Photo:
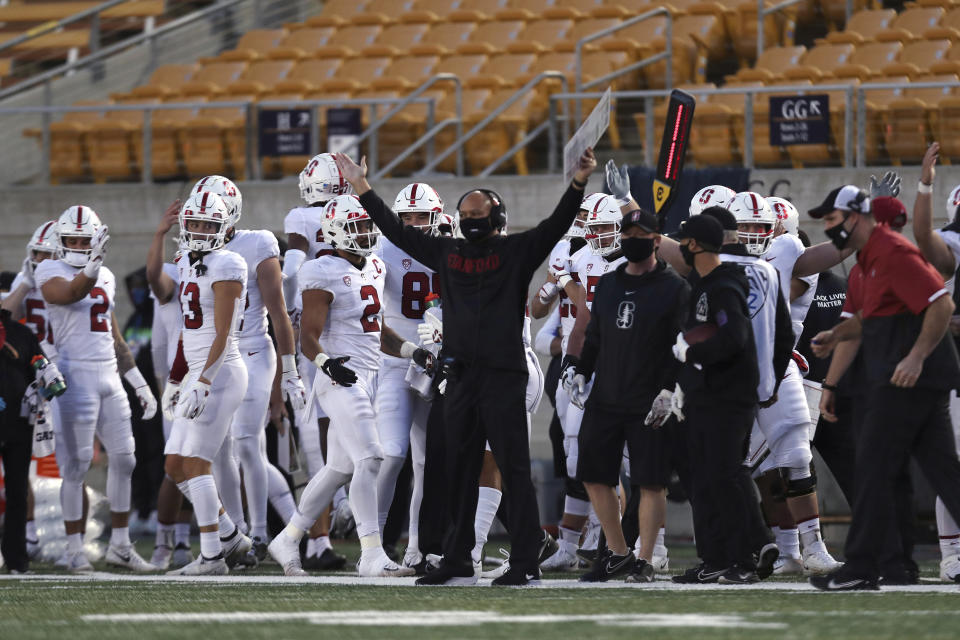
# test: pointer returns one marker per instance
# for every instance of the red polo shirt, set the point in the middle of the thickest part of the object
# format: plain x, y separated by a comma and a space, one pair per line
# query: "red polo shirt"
854, 300
896, 277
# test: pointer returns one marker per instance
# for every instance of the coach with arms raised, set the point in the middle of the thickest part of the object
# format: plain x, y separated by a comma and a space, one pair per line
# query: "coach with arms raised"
483, 280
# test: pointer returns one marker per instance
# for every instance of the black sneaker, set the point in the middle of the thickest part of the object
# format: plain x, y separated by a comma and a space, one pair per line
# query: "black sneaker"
449, 575
841, 580
587, 556
766, 558
700, 574
548, 547
515, 577
329, 560
738, 575
609, 566
642, 571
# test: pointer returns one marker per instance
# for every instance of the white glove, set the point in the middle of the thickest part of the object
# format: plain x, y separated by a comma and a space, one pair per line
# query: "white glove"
618, 182
30, 402
676, 403
577, 391
442, 387
193, 399
548, 292
291, 386
26, 271
431, 330
169, 399
566, 378
660, 408
563, 278
147, 402
680, 348
98, 249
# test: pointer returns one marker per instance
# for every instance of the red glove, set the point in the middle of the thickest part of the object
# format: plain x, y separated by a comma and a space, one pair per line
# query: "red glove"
179, 368
801, 363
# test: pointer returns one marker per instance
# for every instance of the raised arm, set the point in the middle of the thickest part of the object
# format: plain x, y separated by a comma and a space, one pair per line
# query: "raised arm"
931, 244
63, 291
161, 284
549, 232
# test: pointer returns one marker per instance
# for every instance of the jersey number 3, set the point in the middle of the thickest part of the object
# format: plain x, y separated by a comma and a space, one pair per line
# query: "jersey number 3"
370, 321
190, 304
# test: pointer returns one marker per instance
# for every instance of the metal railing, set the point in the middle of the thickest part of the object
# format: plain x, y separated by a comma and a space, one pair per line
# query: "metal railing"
667, 54
763, 12
55, 25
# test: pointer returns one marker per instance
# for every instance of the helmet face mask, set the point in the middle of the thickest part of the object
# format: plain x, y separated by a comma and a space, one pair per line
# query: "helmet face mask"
420, 198
228, 192
320, 181
74, 225
750, 208
348, 227
43, 243
200, 208
601, 228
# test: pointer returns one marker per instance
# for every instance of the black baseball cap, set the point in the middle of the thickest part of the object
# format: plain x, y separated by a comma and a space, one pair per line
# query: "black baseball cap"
640, 218
726, 219
706, 230
846, 198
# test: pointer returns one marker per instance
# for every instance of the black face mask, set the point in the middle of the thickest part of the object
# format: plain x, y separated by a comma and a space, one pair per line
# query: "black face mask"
636, 249
476, 229
838, 235
688, 256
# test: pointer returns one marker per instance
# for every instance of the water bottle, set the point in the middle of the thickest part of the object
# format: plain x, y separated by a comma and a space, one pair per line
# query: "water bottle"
52, 383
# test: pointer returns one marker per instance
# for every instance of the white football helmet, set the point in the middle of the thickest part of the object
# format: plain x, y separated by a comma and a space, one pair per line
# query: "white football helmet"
43, 240
786, 213
749, 207
716, 195
448, 226
78, 221
953, 201
227, 191
321, 182
204, 207
603, 212
420, 197
341, 218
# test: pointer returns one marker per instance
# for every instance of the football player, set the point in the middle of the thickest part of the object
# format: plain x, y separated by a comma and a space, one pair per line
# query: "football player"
401, 411
211, 291
342, 296
79, 293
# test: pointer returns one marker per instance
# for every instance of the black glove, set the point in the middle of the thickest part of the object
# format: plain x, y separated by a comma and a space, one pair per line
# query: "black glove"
340, 374
568, 361
424, 359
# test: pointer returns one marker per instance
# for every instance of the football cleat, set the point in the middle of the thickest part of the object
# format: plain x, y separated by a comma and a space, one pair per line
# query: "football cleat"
381, 566
286, 552
75, 562
787, 566
182, 556
610, 565
700, 574
203, 567
660, 563
127, 558
257, 553
329, 560
842, 580
517, 578
162, 554
738, 575
548, 547
819, 563
449, 575
415, 560
235, 548
765, 560
33, 549
642, 571
950, 569
560, 561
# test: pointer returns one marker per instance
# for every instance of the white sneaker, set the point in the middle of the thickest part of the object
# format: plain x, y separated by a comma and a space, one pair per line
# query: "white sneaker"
381, 566
235, 548
33, 549
819, 563
126, 557
182, 556
787, 566
660, 563
950, 569
411, 558
562, 560
75, 562
286, 552
202, 567
162, 554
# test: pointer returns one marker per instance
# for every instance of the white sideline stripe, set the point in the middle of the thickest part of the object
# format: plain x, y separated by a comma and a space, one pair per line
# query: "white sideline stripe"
438, 619
662, 583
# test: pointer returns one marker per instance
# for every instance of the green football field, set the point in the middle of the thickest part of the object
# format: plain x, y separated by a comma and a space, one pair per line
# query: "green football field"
263, 604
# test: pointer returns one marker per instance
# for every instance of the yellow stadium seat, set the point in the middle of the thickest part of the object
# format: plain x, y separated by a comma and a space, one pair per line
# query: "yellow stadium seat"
261, 76
835, 11
397, 39
771, 64
255, 44
443, 38
337, 13
507, 129
383, 11
349, 41
406, 73
302, 43
584, 28
215, 140
912, 24
440, 8
69, 157
111, 142
820, 61
863, 26
706, 30
212, 78
308, 75
541, 36
947, 129
878, 101
167, 141
742, 24
357, 73
764, 155
462, 65
507, 69
949, 26
906, 131
870, 59
919, 56
492, 37
712, 142
833, 151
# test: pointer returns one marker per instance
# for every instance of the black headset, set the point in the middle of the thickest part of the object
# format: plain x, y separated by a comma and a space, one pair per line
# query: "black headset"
857, 204
498, 212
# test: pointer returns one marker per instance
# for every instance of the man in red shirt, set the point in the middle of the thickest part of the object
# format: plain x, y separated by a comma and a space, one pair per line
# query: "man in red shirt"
910, 367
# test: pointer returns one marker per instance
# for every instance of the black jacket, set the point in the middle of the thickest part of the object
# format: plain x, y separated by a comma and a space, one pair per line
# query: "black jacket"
728, 371
16, 374
483, 284
634, 323
824, 314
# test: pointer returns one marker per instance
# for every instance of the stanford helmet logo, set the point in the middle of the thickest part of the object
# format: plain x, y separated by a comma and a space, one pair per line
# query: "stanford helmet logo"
780, 210
406, 263
707, 196
346, 280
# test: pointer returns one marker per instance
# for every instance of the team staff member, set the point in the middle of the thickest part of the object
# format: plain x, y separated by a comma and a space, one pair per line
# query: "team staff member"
910, 368
484, 280
718, 397
637, 312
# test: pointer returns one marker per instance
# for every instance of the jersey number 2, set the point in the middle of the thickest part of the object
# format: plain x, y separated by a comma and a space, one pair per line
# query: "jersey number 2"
370, 320
98, 311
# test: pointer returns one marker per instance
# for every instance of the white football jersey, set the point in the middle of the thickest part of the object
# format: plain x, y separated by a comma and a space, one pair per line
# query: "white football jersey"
590, 267
33, 310
762, 307
568, 310
306, 221
82, 330
195, 293
783, 253
254, 247
407, 285
168, 316
952, 239
356, 313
